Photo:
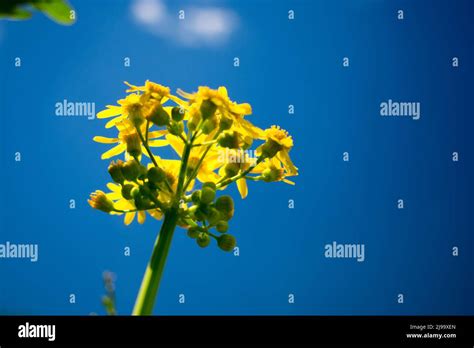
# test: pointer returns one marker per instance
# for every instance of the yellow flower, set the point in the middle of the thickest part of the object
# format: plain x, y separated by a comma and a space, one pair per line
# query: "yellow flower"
131, 107
152, 90
278, 143
241, 161
99, 200
226, 109
206, 172
128, 205
272, 169
127, 132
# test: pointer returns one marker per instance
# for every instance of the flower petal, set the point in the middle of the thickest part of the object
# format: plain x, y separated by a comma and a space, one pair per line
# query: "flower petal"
116, 150
242, 187
105, 140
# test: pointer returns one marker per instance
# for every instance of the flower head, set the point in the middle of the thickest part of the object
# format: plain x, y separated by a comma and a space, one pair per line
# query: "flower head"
98, 200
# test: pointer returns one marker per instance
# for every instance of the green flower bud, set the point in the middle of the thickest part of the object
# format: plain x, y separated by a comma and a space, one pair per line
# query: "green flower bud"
222, 226
207, 109
134, 144
127, 191
158, 116
130, 170
193, 232
213, 216
142, 202
156, 175
209, 125
232, 169
270, 148
229, 139
177, 113
203, 240
142, 172
207, 195
226, 242
225, 123
135, 114
225, 205
135, 192
115, 171
200, 214
210, 184
272, 174
196, 197
176, 128
145, 191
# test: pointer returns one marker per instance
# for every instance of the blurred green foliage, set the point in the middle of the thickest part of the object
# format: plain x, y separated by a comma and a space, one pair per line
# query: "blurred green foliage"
59, 11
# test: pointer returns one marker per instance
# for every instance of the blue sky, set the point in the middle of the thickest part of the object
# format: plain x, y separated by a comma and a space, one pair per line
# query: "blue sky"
282, 62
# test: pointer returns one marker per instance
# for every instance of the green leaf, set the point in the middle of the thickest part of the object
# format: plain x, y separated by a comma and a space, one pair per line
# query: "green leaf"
57, 10
16, 14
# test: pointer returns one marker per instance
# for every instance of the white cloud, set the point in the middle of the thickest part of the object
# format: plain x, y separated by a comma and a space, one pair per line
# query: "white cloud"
201, 25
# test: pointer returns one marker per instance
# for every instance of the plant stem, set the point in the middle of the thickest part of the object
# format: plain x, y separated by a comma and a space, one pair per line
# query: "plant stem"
151, 280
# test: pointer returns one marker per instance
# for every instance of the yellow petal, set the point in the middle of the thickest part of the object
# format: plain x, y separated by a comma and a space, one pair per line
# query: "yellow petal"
114, 121
242, 186
129, 218
141, 217
114, 187
157, 134
105, 140
158, 143
110, 112
116, 150
176, 143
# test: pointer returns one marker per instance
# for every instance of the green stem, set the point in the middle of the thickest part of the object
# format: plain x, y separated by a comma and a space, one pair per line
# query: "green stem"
151, 280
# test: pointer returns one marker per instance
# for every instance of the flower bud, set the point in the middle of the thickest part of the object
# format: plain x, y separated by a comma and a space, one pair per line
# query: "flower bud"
142, 202
193, 232
158, 116
270, 148
272, 174
203, 240
176, 128
229, 139
226, 123
213, 216
232, 169
142, 172
209, 125
115, 171
196, 197
226, 242
127, 191
156, 175
130, 170
225, 205
210, 184
134, 145
98, 200
135, 114
177, 113
208, 108
207, 195
135, 192
200, 214
222, 226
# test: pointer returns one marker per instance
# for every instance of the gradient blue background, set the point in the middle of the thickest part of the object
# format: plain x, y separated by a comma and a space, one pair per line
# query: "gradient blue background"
283, 62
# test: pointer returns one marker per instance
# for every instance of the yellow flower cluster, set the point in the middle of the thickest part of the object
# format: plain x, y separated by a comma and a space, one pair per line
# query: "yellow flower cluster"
213, 139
